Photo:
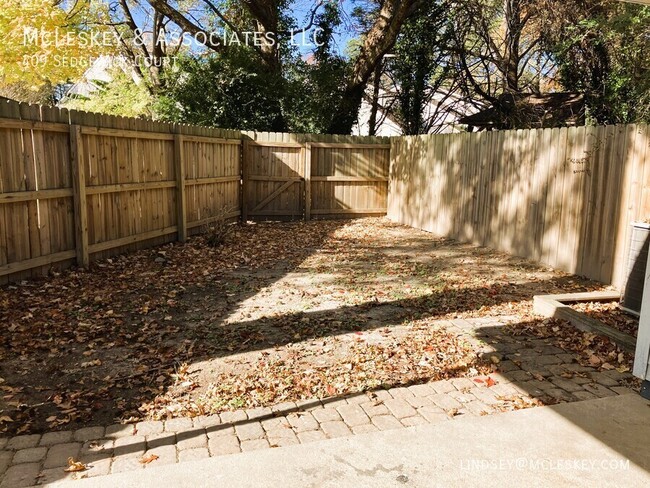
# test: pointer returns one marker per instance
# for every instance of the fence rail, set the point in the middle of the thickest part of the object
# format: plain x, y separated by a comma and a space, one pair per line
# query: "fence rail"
563, 197
76, 186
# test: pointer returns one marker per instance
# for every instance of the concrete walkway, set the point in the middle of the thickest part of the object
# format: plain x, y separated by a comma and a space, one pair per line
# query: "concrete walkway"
593, 443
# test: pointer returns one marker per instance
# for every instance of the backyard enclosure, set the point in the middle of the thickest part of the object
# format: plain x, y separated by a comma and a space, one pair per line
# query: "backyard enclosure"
76, 186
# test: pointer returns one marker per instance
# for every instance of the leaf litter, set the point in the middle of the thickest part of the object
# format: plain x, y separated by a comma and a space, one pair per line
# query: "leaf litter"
279, 312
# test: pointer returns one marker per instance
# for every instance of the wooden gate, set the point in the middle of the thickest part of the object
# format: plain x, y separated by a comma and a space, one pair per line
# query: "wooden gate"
273, 180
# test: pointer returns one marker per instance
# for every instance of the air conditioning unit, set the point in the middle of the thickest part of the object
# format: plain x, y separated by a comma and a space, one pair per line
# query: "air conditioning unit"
635, 266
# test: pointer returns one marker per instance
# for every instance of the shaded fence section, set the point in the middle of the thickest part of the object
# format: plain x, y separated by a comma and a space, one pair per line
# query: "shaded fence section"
76, 186
563, 197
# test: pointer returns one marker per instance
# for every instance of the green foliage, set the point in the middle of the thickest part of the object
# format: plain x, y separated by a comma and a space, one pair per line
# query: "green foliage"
233, 90
229, 91
606, 54
419, 67
122, 97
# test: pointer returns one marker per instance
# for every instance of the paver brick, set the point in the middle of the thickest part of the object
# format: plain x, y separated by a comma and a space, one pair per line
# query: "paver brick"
220, 431
311, 436
374, 408
302, 421
193, 454
462, 383
159, 440
233, 417
444, 386
462, 396
326, 415
227, 444
599, 390
166, 455
400, 408
478, 408
5, 460
417, 402
445, 402
412, 421
120, 430
23, 442
356, 399
364, 429
282, 437
122, 464
30, 455
584, 395
518, 376
150, 427
401, 392
21, 475
100, 466
603, 379
381, 395
88, 434
130, 446
205, 421
249, 430
51, 438
353, 415
566, 384
54, 476
100, 447
258, 413
58, 455
254, 445
486, 395
192, 439
284, 408
335, 428
386, 422
560, 394
178, 424
506, 366
422, 390
433, 414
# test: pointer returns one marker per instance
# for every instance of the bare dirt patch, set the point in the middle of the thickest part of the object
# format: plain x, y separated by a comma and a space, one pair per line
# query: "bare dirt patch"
280, 312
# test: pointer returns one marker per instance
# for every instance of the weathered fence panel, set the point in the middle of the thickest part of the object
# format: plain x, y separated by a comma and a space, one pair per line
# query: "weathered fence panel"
563, 197
77, 186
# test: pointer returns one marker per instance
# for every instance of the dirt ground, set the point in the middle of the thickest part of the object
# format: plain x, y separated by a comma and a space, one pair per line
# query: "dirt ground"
280, 312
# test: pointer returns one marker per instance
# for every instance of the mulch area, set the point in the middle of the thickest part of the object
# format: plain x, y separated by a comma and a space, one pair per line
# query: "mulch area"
610, 314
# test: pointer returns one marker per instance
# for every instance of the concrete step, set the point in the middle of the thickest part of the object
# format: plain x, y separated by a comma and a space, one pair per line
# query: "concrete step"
603, 442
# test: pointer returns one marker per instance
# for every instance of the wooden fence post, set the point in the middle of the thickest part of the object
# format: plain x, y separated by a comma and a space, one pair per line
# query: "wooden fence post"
308, 181
244, 182
79, 196
181, 206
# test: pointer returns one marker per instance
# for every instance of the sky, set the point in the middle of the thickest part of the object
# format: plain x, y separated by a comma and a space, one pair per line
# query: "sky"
301, 10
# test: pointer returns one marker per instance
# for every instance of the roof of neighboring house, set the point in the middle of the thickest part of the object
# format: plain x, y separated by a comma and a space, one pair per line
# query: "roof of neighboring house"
530, 111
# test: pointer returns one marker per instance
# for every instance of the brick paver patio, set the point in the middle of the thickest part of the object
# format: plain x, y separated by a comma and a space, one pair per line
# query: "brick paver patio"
528, 368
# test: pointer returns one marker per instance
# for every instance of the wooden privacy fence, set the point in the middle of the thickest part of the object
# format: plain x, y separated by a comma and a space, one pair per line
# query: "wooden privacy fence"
314, 176
563, 197
75, 185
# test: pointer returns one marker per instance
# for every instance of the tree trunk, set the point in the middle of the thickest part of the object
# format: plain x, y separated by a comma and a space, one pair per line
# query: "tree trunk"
379, 40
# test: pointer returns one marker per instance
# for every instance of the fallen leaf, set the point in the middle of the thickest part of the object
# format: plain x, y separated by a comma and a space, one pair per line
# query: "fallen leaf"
75, 466
148, 459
